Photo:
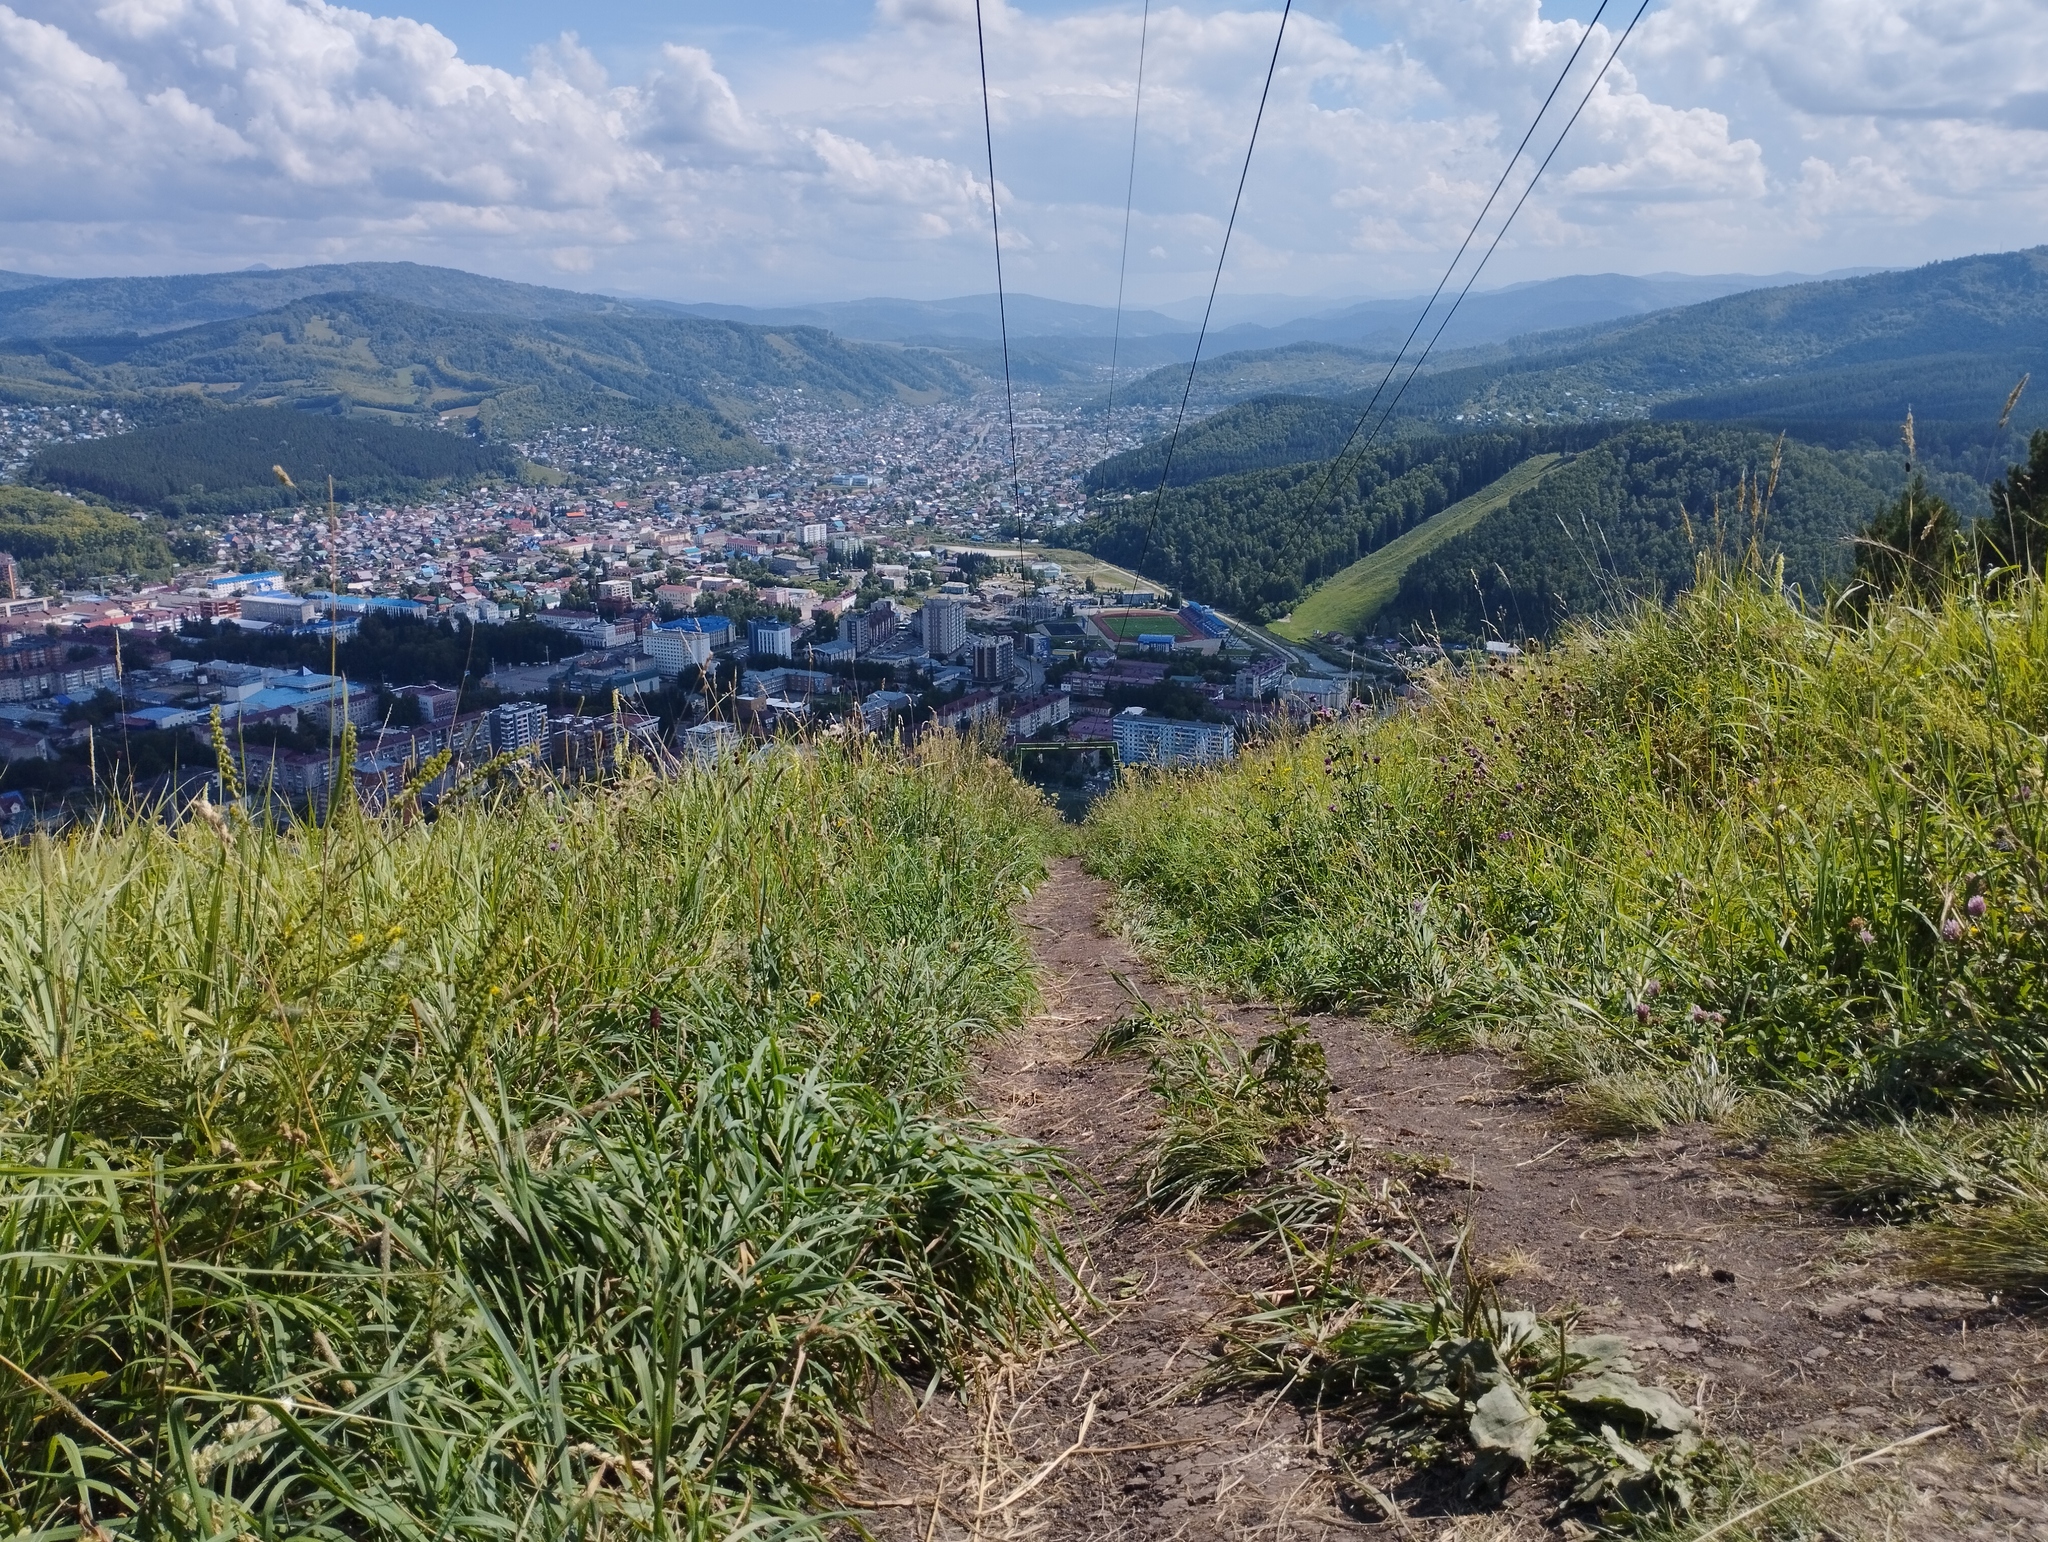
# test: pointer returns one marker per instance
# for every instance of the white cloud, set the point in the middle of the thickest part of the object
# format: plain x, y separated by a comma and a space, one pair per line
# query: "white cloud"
141, 135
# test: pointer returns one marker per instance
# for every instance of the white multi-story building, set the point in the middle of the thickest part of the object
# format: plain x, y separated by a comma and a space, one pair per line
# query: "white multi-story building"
945, 626
709, 741
1141, 739
678, 646
518, 726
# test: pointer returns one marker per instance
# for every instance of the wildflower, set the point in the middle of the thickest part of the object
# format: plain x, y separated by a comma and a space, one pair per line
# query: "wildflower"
1976, 906
1642, 1011
1952, 930
1333, 808
816, 997
1505, 835
1652, 988
495, 991
355, 939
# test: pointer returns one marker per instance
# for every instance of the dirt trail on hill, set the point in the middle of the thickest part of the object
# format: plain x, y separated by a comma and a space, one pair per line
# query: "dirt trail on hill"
1784, 1328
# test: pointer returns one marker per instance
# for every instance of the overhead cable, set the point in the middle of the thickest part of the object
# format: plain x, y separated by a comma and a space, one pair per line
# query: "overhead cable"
996, 226
1173, 440
1130, 190
1493, 246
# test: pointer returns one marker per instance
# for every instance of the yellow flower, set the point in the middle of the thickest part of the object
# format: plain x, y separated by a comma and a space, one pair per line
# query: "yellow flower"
495, 991
816, 997
355, 939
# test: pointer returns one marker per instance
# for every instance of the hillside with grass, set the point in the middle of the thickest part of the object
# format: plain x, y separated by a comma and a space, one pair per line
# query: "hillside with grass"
1628, 520
572, 1163
1255, 542
1352, 601
1730, 861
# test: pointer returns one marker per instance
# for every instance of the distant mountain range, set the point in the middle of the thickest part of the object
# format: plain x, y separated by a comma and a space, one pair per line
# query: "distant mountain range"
39, 307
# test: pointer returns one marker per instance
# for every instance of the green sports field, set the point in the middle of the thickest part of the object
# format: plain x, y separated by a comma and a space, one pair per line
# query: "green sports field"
1129, 625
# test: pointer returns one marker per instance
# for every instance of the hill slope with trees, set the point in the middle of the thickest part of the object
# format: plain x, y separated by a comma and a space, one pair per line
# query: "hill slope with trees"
1629, 520
662, 381
1838, 361
222, 462
59, 542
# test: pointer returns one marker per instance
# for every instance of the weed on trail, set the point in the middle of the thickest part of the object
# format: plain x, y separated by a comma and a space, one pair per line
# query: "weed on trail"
1417, 1363
574, 1164
1726, 861
1225, 1107
1433, 1371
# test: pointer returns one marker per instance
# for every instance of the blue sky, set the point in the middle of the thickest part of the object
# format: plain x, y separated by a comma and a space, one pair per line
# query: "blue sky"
787, 149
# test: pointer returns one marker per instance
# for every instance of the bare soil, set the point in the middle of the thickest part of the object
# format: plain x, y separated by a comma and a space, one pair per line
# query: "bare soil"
1789, 1330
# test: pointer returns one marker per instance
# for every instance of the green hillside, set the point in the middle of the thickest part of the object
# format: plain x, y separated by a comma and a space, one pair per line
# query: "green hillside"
1724, 864
384, 1179
684, 380
1254, 543
222, 462
1837, 361
1629, 520
1350, 601
61, 543
99, 307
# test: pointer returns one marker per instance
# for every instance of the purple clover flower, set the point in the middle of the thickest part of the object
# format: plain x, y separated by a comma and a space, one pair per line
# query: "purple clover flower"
1976, 906
1952, 930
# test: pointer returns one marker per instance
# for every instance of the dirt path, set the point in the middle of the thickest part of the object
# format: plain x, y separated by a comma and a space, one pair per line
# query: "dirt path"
1782, 1327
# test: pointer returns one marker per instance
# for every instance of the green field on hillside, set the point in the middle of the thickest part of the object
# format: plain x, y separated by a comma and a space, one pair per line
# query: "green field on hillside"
1351, 599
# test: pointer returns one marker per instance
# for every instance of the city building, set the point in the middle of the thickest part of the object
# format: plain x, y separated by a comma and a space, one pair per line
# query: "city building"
288, 610
1260, 678
1038, 713
770, 639
518, 727
708, 742
1142, 739
968, 710
1317, 693
945, 626
437, 702
994, 657
682, 645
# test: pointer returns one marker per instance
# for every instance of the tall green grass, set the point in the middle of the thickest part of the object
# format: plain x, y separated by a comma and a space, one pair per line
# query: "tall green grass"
1723, 855
572, 1164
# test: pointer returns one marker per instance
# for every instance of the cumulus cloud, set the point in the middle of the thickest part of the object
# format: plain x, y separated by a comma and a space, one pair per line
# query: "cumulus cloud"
141, 135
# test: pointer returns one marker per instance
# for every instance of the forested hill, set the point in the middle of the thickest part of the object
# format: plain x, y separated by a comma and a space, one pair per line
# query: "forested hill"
679, 381
1629, 519
1605, 524
220, 462
1837, 361
99, 307
1255, 542
1266, 431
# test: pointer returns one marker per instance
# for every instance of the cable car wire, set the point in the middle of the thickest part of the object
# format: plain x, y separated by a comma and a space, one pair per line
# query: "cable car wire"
996, 226
1173, 440
1556, 145
1130, 190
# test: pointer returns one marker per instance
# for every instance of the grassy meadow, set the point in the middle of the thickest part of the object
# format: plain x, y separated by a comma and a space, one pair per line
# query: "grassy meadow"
567, 1164
1728, 861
